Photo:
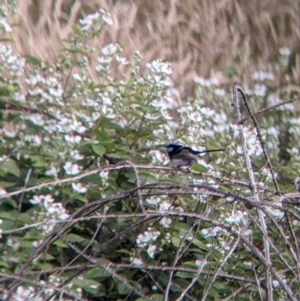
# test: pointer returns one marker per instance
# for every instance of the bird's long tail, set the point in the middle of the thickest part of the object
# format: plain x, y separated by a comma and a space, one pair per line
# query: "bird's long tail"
212, 150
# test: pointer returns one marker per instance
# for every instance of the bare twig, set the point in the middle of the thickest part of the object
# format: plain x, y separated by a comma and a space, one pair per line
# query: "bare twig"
17, 107
262, 144
269, 288
268, 109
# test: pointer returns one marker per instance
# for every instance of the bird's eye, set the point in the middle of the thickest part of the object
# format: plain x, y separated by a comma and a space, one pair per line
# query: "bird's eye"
170, 148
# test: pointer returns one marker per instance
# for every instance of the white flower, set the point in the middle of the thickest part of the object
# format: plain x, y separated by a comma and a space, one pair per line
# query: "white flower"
136, 261
200, 263
78, 187
107, 19
63, 216
25, 294
3, 24
153, 200
75, 154
73, 139
52, 171
104, 174
11, 133
76, 76
229, 199
285, 51
19, 97
95, 116
275, 283
71, 169
88, 21
37, 243
48, 199
56, 92
211, 232
37, 119
110, 49
165, 206
144, 238
220, 92
276, 212
151, 250
159, 67
78, 127
37, 199
121, 60
235, 217
34, 80
104, 64
205, 82
260, 90
262, 76
166, 222
2, 193
34, 139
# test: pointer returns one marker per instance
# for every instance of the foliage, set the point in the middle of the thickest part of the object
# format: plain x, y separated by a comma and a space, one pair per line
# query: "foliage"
90, 207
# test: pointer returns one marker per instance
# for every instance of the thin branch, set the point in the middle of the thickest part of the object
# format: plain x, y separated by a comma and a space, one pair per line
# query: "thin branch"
268, 109
17, 107
225, 259
262, 143
196, 277
138, 185
269, 288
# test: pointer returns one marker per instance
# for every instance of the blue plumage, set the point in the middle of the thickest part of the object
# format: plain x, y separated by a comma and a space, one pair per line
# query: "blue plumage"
184, 156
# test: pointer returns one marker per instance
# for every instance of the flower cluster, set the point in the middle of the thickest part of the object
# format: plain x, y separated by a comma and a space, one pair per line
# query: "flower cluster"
146, 239
50, 213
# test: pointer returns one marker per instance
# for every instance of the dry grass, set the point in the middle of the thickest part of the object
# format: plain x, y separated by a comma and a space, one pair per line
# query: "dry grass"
199, 37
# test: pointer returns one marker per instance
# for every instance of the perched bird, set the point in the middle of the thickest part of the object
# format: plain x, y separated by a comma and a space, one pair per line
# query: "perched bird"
181, 155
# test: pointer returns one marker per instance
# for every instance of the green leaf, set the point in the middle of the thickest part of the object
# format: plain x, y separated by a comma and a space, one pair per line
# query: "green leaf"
8, 201
199, 244
11, 215
43, 266
73, 50
122, 288
88, 285
77, 30
3, 264
175, 241
80, 198
6, 90
33, 60
7, 184
99, 149
99, 274
38, 161
103, 137
74, 238
199, 168
60, 243
9, 166
32, 234
123, 251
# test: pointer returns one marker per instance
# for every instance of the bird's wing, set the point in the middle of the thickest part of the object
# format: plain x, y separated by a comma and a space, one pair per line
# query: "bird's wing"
186, 152
183, 148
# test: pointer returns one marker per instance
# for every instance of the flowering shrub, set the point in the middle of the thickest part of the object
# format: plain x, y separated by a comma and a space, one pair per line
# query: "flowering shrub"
91, 207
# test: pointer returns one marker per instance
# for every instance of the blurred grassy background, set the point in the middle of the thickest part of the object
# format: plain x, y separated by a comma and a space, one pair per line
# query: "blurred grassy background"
225, 39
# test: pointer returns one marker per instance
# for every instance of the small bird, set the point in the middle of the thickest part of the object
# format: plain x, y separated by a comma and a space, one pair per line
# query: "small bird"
181, 155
